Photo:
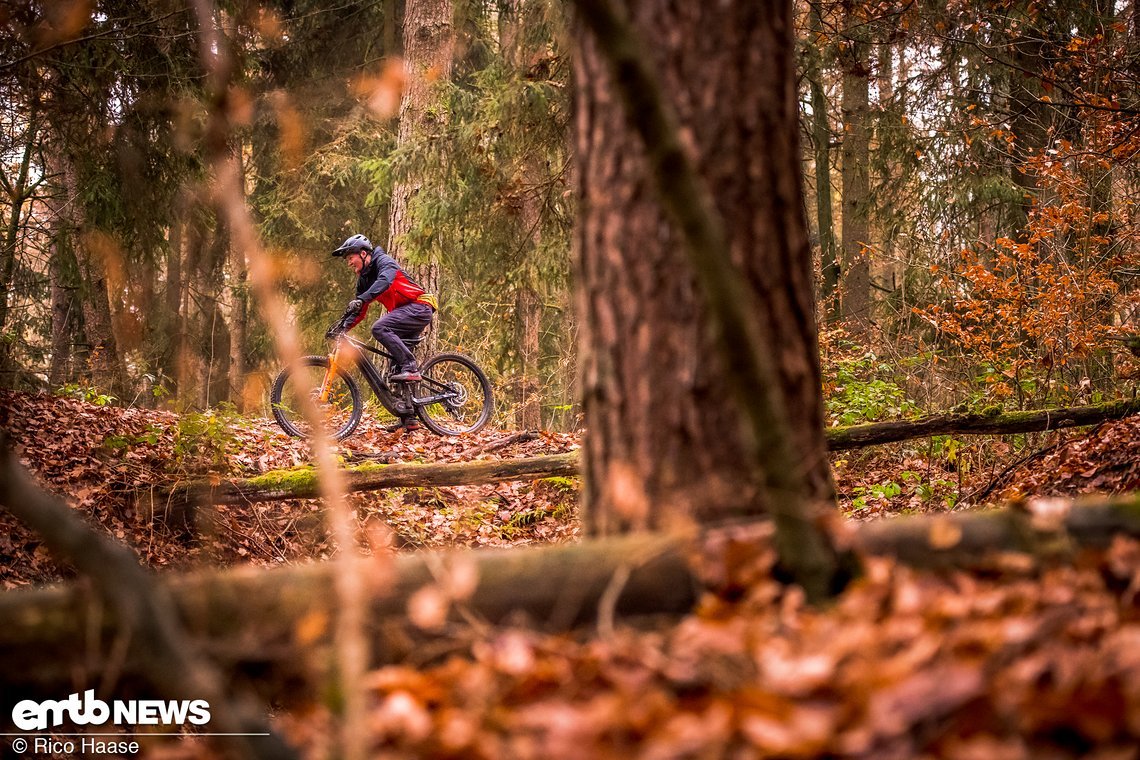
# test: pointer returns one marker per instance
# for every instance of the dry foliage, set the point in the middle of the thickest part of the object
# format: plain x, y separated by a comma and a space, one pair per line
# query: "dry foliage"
1023, 661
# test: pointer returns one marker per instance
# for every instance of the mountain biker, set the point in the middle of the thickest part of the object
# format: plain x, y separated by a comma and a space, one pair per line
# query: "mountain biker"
409, 307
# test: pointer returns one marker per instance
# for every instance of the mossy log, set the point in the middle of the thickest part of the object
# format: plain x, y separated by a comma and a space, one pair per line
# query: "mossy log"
274, 626
301, 483
992, 421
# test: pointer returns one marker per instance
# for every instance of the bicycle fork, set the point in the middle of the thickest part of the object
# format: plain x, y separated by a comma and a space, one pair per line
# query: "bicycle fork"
330, 373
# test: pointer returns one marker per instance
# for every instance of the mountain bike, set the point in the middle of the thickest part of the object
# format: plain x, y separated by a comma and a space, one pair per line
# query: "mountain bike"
454, 396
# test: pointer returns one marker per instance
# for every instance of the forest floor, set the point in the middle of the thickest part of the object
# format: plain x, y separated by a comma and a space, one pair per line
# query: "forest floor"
1023, 661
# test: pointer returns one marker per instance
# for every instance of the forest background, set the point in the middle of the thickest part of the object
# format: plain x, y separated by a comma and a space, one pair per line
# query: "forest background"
970, 175
969, 195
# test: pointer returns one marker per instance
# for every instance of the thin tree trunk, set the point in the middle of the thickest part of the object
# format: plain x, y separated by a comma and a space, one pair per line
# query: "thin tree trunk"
528, 413
528, 300
174, 314
821, 137
302, 484
855, 287
66, 311
18, 193
239, 311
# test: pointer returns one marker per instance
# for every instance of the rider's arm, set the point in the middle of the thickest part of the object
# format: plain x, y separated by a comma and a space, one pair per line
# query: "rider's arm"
385, 276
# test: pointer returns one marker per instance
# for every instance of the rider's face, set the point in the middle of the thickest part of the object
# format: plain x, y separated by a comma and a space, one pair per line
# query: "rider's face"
356, 261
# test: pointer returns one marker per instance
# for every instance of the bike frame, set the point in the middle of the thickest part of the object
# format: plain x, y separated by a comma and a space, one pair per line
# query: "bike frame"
401, 405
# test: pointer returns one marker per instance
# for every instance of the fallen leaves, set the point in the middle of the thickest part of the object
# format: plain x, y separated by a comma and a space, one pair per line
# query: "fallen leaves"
99, 456
1029, 660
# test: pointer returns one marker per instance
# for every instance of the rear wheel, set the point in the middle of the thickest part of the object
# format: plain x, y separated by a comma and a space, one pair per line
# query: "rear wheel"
341, 410
455, 395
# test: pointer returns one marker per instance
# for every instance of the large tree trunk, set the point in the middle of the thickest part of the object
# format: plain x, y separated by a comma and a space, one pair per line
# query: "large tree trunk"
278, 624
428, 43
103, 360
664, 429
855, 288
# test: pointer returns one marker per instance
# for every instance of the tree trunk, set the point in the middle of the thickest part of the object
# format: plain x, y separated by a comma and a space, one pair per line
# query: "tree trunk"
18, 194
173, 323
528, 324
855, 288
664, 421
66, 309
526, 212
821, 139
238, 312
428, 47
104, 363
280, 623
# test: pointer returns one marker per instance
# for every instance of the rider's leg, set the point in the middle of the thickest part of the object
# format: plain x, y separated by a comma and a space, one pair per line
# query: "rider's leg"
404, 322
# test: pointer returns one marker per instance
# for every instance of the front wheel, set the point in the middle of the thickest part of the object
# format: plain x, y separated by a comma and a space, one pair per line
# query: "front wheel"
454, 396
341, 410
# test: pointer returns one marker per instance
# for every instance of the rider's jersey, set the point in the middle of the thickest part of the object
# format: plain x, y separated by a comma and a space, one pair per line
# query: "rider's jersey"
383, 280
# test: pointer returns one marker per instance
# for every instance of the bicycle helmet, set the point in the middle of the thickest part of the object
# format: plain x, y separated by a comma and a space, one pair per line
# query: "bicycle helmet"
352, 245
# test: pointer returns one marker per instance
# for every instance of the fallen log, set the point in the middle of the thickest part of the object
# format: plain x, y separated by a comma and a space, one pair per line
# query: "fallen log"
276, 625
301, 483
992, 422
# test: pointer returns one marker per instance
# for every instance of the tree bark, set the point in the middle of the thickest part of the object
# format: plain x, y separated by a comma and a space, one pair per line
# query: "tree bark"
173, 321
66, 312
18, 194
528, 325
103, 361
239, 308
428, 42
821, 138
66, 278
526, 212
855, 287
664, 413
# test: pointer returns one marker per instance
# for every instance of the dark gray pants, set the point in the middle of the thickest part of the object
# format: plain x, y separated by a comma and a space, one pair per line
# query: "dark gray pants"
407, 321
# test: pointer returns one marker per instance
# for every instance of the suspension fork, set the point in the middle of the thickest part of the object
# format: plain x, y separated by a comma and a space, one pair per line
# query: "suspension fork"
330, 373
